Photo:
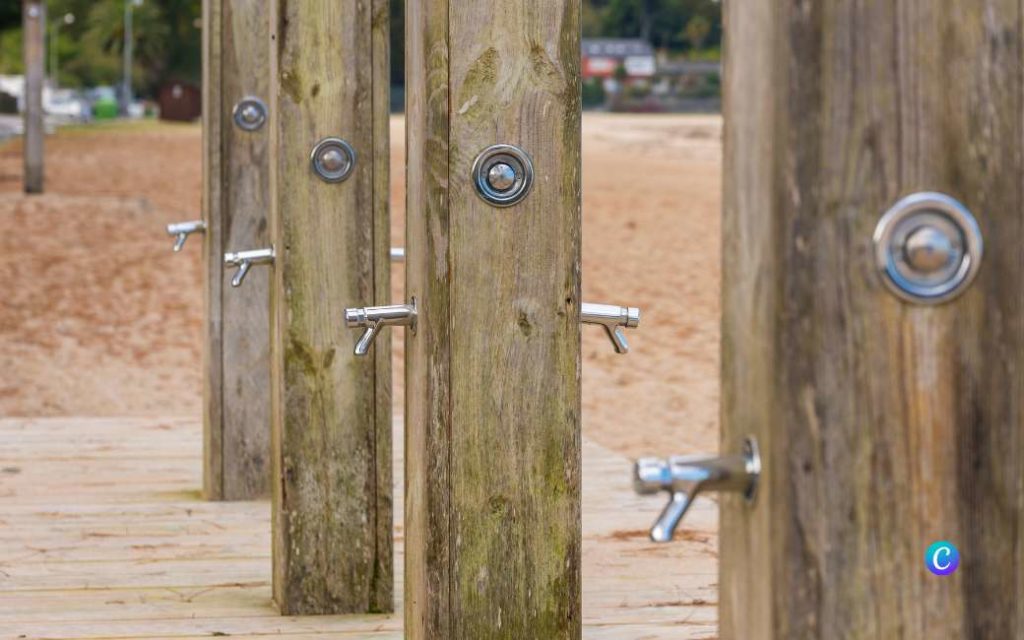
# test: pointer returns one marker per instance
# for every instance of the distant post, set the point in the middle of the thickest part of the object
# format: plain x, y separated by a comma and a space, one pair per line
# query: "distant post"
33, 17
236, 205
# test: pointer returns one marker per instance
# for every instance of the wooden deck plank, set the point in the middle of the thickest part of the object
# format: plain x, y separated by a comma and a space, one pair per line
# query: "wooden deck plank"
118, 544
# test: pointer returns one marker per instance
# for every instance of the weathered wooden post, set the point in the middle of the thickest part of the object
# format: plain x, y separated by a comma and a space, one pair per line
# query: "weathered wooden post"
33, 20
236, 395
331, 410
886, 422
493, 529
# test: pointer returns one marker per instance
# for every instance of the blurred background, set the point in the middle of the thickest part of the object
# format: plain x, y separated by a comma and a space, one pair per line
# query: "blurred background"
639, 55
99, 318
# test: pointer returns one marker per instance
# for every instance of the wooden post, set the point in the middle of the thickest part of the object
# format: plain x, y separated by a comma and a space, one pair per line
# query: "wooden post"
493, 529
236, 205
884, 426
33, 16
332, 507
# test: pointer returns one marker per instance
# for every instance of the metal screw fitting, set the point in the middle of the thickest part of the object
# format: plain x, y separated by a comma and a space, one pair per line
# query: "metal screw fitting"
613, 319
182, 230
373, 319
928, 248
503, 175
333, 159
249, 114
244, 260
684, 478
397, 254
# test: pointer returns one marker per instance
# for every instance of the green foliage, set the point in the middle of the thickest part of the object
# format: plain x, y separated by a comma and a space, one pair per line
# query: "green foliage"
593, 93
398, 42
661, 22
166, 41
696, 31
10, 14
168, 37
10, 51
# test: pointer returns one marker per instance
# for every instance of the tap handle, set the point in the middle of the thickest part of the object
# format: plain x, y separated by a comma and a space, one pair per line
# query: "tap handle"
243, 269
665, 526
366, 340
618, 338
180, 231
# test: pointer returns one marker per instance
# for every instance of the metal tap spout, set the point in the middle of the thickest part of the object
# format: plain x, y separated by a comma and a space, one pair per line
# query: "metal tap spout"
613, 319
686, 477
180, 231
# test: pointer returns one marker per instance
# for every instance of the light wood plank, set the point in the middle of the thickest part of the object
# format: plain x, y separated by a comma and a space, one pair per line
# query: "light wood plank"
90, 568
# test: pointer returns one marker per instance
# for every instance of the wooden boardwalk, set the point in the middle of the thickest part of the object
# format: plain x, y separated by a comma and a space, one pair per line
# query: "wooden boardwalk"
103, 535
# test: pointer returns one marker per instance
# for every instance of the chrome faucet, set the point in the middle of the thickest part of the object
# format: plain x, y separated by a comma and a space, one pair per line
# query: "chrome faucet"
686, 477
182, 230
244, 260
373, 319
613, 319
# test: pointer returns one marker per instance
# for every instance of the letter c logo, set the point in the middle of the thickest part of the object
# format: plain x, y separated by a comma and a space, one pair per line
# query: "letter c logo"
942, 558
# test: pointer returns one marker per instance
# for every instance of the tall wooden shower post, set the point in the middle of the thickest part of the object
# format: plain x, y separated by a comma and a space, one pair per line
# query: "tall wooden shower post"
872, 158
493, 528
236, 187
331, 409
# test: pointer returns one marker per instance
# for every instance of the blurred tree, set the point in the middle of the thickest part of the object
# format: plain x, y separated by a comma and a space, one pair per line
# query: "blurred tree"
10, 52
660, 22
168, 35
696, 31
398, 42
167, 42
10, 14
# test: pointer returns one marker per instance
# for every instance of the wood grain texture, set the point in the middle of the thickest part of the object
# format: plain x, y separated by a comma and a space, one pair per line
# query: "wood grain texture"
103, 535
493, 371
884, 426
331, 410
236, 206
34, 58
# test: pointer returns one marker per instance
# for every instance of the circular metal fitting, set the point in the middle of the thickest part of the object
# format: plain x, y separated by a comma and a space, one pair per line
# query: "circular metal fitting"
503, 175
333, 159
249, 114
928, 248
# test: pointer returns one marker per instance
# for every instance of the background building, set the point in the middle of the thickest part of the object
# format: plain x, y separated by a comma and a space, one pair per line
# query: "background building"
603, 57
